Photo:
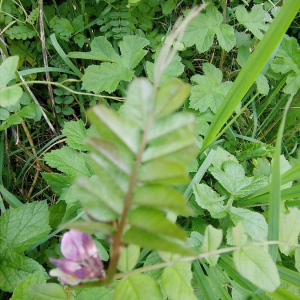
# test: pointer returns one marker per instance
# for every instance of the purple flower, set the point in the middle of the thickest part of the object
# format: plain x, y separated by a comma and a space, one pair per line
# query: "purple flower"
81, 260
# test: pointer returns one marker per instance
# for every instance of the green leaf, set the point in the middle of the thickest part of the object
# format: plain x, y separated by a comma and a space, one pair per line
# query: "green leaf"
255, 21
212, 241
100, 201
57, 212
210, 90
161, 171
171, 96
128, 258
156, 241
7, 70
90, 227
62, 26
297, 259
210, 200
105, 77
99, 293
21, 292
254, 223
256, 265
14, 268
176, 281
289, 230
101, 49
76, 134
202, 30
287, 57
132, 50
172, 137
153, 220
69, 161
10, 95
58, 182
168, 7
4, 114
22, 227
138, 104
174, 69
113, 128
161, 197
48, 291
138, 287
234, 180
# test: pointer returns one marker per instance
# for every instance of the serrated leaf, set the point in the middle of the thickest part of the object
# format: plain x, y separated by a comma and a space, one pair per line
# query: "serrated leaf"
153, 220
176, 281
210, 200
210, 90
7, 70
287, 57
105, 77
139, 103
233, 179
101, 49
69, 161
49, 291
58, 182
254, 223
128, 258
10, 95
138, 287
256, 265
22, 227
21, 292
174, 69
212, 241
76, 134
132, 50
161, 197
255, 21
57, 212
62, 26
289, 230
100, 201
113, 128
170, 96
202, 30
14, 268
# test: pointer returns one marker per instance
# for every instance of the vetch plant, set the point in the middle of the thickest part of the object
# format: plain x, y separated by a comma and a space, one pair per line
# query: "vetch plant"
81, 260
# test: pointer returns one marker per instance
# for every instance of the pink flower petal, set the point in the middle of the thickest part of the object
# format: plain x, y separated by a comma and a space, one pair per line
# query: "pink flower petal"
74, 244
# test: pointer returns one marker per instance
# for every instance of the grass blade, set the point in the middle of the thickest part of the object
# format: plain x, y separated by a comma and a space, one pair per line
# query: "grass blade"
275, 193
